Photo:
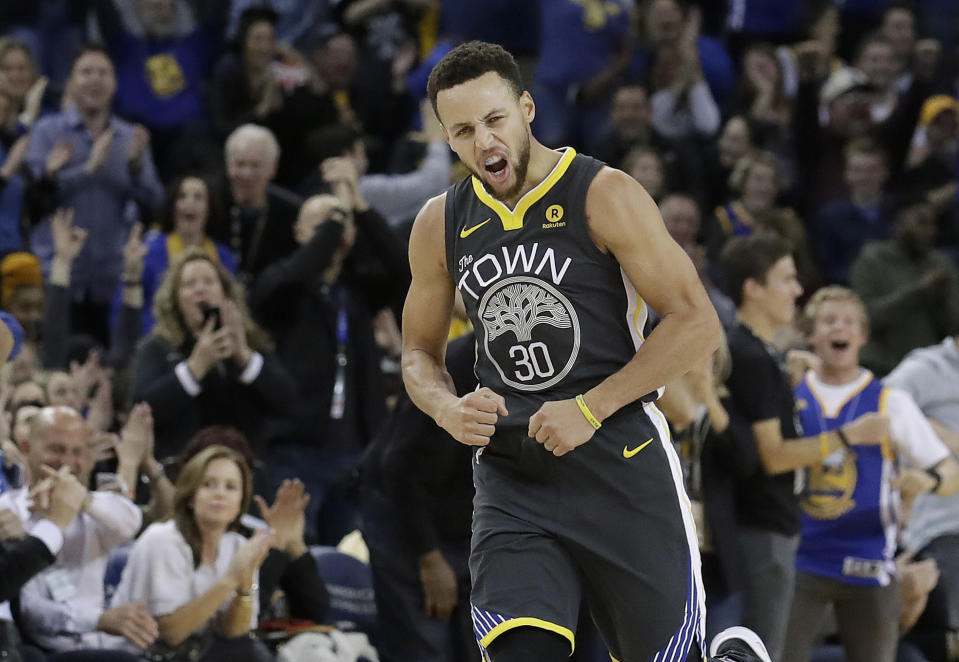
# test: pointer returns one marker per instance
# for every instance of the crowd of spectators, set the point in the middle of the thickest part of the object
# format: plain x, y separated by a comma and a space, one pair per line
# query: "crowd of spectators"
204, 212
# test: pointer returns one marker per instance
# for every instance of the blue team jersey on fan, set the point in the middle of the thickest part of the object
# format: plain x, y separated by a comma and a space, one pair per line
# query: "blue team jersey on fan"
849, 508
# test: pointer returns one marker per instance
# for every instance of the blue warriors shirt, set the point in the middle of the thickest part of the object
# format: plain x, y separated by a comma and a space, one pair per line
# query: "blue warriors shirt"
553, 314
849, 507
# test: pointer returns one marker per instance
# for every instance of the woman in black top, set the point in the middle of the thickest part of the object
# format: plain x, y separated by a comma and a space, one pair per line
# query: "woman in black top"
206, 362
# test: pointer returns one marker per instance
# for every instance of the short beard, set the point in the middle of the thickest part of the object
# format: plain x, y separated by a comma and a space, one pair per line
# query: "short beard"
520, 168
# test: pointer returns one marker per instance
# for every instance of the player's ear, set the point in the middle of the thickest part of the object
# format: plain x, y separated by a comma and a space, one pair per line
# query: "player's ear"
529, 108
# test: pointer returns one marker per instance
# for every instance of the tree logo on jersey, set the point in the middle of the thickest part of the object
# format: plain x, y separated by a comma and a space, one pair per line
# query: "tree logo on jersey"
532, 332
831, 485
519, 308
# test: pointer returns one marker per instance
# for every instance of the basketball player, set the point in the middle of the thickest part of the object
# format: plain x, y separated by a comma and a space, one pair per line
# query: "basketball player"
578, 491
850, 505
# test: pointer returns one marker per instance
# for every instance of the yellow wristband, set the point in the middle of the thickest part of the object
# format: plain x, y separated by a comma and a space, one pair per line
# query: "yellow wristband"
587, 413
823, 445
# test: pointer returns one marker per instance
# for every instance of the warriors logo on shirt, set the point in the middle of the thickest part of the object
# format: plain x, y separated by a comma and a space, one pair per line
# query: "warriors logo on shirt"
532, 332
831, 485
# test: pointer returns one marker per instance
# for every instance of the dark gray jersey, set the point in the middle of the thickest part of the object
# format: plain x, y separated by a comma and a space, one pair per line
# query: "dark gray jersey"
554, 315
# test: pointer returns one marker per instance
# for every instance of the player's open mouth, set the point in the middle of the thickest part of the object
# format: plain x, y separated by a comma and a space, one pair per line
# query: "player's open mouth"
497, 167
839, 345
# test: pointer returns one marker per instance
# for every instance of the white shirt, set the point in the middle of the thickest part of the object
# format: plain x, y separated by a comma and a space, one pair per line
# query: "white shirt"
161, 573
62, 604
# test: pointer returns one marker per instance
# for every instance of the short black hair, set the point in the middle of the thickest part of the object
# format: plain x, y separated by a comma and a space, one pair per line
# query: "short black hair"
250, 17
87, 49
332, 140
168, 212
750, 257
469, 61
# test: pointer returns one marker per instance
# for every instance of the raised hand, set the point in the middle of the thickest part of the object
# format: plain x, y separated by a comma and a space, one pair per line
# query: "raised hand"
100, 414
62, 497
137, 148
212, 345
248, 558
287, 516
103, 445
86, 375
68, 240
100, 152
136, 438
810, 60
233, 323
14, 157
58, 157
799, 362
33, 100
134, 252
340, 173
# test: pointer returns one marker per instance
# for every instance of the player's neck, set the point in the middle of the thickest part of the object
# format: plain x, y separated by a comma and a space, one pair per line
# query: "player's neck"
838, 375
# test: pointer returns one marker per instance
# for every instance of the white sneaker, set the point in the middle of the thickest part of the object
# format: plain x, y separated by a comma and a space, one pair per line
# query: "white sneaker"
738, 644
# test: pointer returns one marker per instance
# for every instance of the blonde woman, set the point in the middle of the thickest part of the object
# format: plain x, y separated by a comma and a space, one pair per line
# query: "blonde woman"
195, 573
206, 362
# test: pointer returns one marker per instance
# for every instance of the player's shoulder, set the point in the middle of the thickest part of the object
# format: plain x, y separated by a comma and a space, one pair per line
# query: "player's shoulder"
428, 236
612, 181
618, 206
432, 214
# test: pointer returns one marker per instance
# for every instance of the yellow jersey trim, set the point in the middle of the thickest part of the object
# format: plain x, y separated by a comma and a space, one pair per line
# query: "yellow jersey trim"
174, 246
722, 216
639, 307
828, 413
613, 658
885, 445
505, 626
512, 219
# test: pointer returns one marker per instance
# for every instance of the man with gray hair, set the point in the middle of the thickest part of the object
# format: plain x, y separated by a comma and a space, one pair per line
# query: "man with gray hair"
260, 215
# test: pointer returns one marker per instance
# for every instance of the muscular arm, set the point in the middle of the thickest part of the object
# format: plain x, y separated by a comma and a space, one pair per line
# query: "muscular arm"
426, 323
624, 220
426, 315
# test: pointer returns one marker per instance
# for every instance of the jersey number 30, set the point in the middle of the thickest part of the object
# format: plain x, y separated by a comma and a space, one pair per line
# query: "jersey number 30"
532, 361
